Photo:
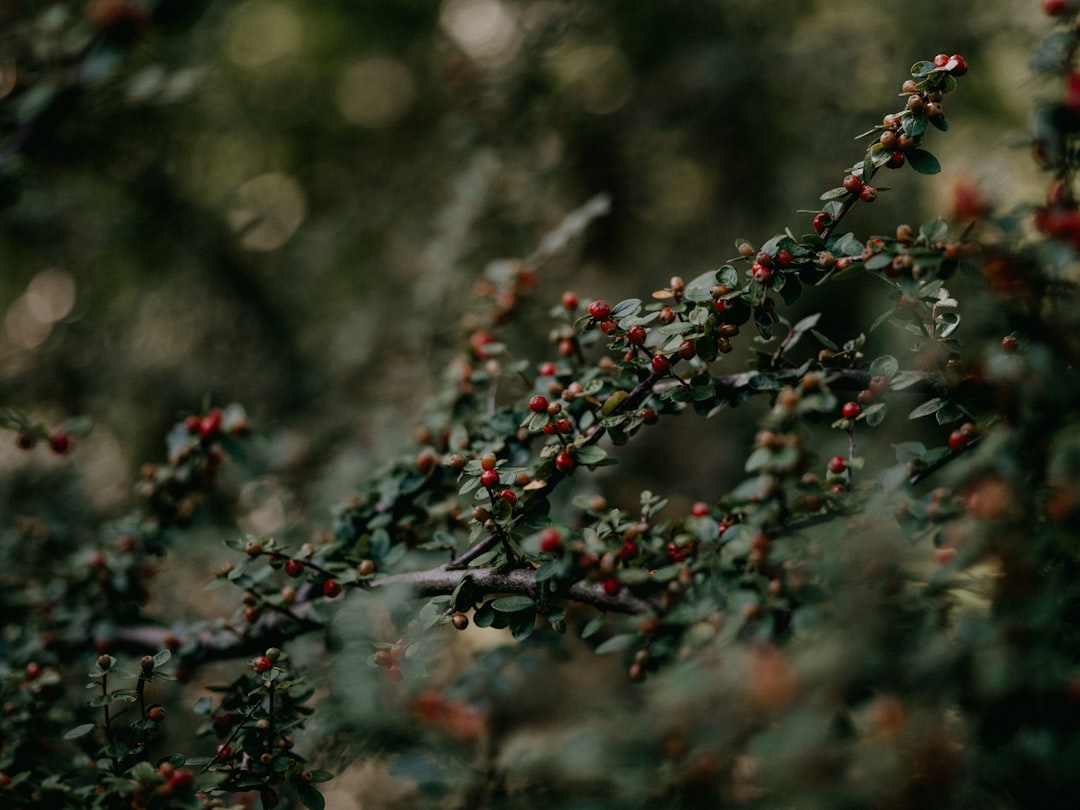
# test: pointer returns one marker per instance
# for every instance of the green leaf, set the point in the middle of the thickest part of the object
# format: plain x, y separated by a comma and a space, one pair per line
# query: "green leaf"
537, 422
590, 454
880, 319
79, 731
914, 125
837, 193
922, 161
675, 328
879, 261
701, 393
522, 624
728, 276
616, 643
875, 414
885, 366
824, 341
935, 231
593, 626
758, 459
792, 288
624, 309
920, 69
512, 604
905, 379
930, 406
312, 799
907, 451
162, 658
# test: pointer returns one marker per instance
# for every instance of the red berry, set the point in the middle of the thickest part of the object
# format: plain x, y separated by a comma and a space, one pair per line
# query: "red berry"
599, 310
666, 316
687, 350
1009, 344
761, 273
958, 440
784, 258
763, 258
251, 614
879, 386
941, 60
612, 586
509, 496
896, 161
182, 779
852, 183
487, 461
563, 426
567, 347
294, 567
660, 364
331, 588
547, 369
460, 620
550, 540
32, 671
868, 193
850, 410
24, 441
489, 478
564, 462
224, 752
837, 464
569, 299
210, 425
699, 509
1055, 8
636, 335
822, 221
262, 664
961, 66
59, 442
538, 404
155, 714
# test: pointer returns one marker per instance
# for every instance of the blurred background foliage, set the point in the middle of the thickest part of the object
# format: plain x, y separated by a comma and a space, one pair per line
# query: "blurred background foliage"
288, 202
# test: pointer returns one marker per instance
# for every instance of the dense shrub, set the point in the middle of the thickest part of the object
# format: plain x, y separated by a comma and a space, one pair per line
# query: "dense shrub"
879, 612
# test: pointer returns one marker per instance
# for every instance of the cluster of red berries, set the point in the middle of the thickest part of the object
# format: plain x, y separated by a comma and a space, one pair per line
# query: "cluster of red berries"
505, 283
391, 659
1059, 218
875, 390
178, 781
963, 436
1058, 8
59, 441
895, 139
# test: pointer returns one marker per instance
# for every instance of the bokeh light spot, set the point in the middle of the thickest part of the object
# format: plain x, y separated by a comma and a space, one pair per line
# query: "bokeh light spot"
375, 92
269, 209
484, 29
598, 77
260, 32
